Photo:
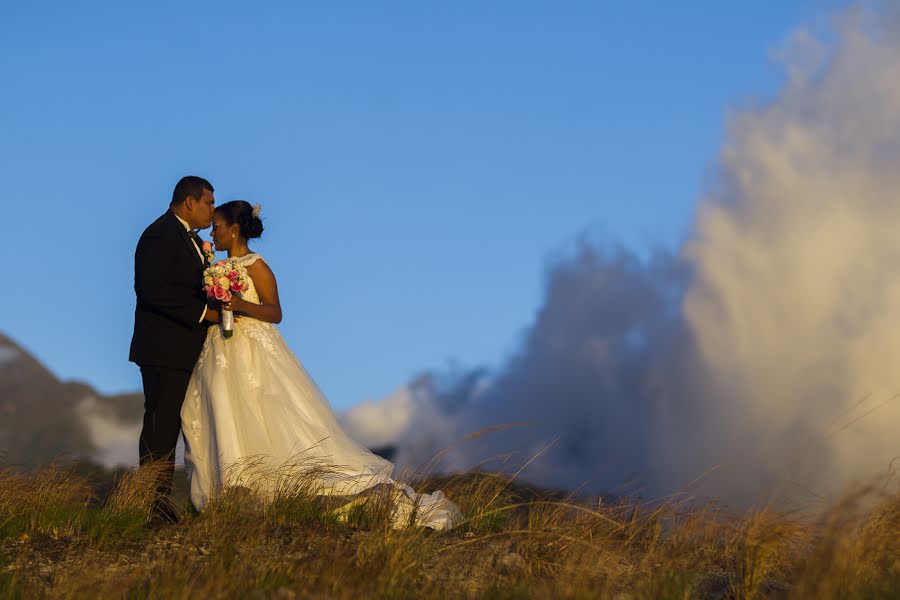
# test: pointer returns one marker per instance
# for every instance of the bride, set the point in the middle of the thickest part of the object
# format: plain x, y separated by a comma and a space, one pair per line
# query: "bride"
250, 401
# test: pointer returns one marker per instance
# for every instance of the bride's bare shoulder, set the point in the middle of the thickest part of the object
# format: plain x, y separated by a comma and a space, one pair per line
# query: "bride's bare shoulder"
259, 266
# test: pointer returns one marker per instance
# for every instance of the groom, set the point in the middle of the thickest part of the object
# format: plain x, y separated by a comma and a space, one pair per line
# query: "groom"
170, 323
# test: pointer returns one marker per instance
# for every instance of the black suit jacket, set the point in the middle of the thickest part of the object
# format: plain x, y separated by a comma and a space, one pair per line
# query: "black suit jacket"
168, 275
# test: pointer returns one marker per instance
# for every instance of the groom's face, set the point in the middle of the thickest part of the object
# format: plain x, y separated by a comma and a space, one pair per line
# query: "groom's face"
201, 211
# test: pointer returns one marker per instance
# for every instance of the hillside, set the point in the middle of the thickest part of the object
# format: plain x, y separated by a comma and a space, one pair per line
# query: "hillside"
46, 419
59, 539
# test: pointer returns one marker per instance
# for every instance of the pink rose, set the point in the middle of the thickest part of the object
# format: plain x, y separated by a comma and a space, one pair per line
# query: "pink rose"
236, 286
233, 275
221, 294
207, 247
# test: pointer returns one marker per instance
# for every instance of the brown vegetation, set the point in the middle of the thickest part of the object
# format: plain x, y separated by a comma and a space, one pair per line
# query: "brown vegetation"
59, 539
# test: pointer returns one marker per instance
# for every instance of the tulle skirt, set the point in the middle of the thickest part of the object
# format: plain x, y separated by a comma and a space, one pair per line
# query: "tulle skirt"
253, 417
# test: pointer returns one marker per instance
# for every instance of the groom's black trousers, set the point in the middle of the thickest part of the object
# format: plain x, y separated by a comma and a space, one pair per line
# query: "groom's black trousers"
164, 390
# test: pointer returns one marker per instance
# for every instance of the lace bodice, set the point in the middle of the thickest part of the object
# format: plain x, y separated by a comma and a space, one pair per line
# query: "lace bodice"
245, 261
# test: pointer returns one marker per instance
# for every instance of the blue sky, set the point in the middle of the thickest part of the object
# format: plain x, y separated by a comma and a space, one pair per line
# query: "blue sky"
420, 164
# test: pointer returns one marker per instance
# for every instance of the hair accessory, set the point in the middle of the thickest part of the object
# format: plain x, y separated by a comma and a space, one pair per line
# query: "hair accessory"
257, 208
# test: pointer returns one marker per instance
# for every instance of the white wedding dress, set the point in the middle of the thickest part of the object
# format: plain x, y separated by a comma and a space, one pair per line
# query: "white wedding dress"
253, 417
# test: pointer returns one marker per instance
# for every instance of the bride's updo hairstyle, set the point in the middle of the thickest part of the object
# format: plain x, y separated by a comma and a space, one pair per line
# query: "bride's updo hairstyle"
244, 215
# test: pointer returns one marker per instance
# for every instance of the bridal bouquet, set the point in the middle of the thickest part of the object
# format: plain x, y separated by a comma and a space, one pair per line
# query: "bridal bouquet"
221, 280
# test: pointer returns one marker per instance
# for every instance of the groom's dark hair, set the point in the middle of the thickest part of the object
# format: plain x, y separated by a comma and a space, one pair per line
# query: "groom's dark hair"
189, 186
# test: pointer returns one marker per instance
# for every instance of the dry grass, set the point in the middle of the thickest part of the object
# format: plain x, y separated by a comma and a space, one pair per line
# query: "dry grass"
57, 539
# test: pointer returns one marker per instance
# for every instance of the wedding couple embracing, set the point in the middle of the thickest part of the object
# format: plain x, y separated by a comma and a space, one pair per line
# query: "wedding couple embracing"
244, 399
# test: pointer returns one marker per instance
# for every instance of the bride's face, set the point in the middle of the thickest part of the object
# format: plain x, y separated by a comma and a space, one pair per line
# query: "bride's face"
221, 233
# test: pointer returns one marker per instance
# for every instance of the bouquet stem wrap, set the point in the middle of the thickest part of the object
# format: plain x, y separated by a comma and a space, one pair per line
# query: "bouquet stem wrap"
227, 323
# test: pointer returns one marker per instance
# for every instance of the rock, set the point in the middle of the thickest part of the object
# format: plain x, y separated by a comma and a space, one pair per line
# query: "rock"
511, 563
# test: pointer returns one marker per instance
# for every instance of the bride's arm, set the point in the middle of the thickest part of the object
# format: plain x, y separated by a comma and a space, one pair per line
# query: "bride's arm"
267, 289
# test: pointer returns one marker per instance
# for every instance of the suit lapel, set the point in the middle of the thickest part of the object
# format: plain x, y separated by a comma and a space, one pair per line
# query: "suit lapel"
182, 232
